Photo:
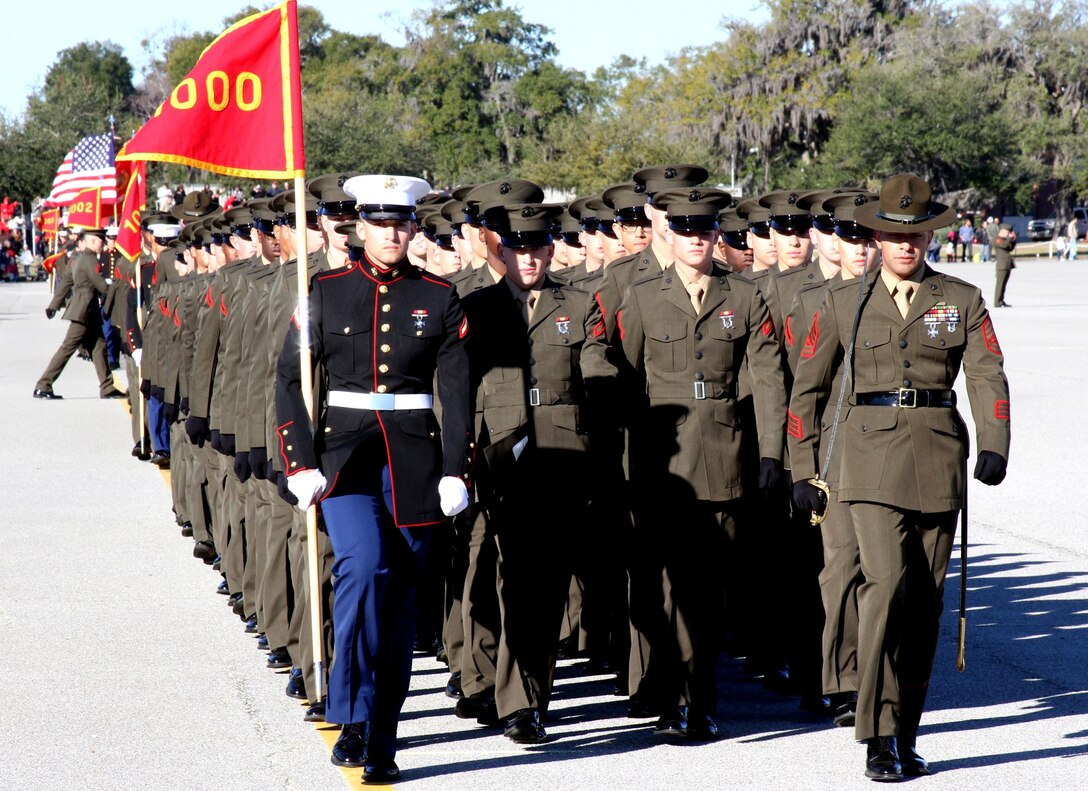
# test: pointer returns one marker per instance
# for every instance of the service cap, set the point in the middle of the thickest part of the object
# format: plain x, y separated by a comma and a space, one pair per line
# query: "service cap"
657, 178
383, 197
693, 209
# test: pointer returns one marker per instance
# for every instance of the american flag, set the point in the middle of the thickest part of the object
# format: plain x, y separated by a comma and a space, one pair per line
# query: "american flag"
90, 164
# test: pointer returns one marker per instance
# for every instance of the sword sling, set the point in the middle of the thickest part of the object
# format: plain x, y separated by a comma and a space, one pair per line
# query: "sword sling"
848, 376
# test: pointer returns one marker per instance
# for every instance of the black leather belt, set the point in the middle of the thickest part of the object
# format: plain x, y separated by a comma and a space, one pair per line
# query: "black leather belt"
908, 398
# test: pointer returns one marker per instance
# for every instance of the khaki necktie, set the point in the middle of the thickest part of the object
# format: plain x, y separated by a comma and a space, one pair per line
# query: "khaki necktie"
904, 290
528, 302
695, 291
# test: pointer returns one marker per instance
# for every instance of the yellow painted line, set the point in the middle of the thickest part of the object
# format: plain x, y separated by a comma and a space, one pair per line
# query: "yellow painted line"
328, 733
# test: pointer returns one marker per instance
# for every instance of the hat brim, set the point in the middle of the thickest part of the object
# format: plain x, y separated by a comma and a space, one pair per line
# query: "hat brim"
939, 216
179, 213
694, 223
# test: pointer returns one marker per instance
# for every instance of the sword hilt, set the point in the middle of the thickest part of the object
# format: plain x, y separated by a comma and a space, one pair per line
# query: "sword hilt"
819, 516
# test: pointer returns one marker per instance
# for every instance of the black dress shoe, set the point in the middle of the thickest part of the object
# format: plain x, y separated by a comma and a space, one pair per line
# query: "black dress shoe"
350, 748
113, 394
262, 642
278, 659
296, 685
914, 765
441, 656
47, 394
640, 709
379, 771
702, 728
453, 687
251, 625
187, 530
882, 760
846, 709
316, 712
777, 680
524, 727
223, 590
204, 550
217, 562
143, 454
482, 709
673, 723
818, 705
160, 459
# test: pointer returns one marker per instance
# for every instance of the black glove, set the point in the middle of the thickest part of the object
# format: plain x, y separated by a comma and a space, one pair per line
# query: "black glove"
197, 430
50, 313
184, 406
281, 487
169, 413
145, 387
241, 467
214, 436
258, 462
770, 470
808, 497
158, 392
991, 468
226, 444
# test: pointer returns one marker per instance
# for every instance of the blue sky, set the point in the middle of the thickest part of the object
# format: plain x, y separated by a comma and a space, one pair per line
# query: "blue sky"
588, 35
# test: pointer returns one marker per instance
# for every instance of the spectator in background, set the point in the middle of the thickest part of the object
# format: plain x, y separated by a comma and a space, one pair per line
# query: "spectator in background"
164, 198
933, 252
967, 241
982, 236
1071, 239
953, 240
7, 209
991, 231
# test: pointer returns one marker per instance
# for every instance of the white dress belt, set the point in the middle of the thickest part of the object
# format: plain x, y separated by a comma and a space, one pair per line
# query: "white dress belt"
380, 402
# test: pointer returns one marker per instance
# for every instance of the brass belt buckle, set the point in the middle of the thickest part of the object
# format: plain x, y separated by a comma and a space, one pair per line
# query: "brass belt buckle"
908, 398
534, 396
700, 391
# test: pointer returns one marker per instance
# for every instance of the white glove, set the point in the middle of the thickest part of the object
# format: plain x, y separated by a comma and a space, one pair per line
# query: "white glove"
137, 355
307, 486
519, 448
452, 494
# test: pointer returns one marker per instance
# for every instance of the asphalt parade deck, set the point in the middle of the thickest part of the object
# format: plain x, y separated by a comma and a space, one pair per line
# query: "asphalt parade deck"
124, 670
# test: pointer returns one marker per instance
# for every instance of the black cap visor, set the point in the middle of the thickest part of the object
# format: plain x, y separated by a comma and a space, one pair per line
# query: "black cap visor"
696, 223
386, 211
523, 239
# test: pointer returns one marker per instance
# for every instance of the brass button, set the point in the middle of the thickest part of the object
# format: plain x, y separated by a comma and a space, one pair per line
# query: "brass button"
383, 289
290, 447
383, 368
294, 464
327, 429
386, 308
385, 328
347, 329
386, 348
285, 432
382, 388
419, 332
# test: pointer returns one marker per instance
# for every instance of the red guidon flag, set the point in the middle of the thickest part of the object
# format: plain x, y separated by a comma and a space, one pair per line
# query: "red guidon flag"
239, 111
88, 210
50, 223
128, 237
